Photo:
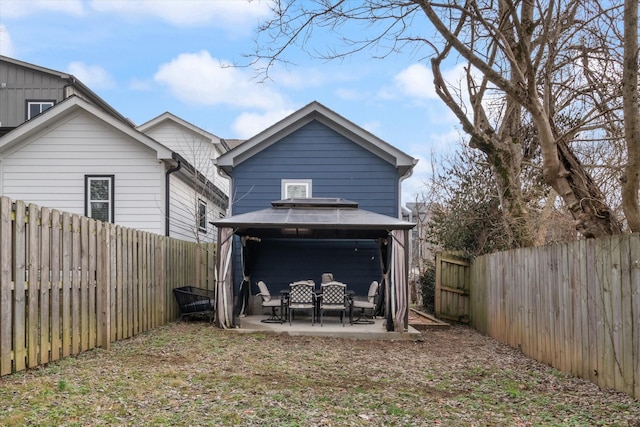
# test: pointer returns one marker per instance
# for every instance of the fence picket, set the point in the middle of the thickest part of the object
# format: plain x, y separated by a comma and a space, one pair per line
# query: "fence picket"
634, 261
91, 281
6, 285
83, 283
66, 289
75, 284
45, 284
626, 317
54, 274
20, 314
32, 326
112, 283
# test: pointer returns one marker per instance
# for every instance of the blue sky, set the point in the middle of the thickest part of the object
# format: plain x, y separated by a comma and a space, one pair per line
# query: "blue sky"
151, 56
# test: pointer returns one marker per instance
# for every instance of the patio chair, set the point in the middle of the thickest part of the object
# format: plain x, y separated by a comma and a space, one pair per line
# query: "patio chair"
327, 277
195, 301
334, 298
269, 301
369, 304
302, 297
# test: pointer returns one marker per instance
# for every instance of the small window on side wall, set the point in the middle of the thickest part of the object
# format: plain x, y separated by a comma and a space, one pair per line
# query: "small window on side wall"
36, 107
99, 197
296, 189
202, 216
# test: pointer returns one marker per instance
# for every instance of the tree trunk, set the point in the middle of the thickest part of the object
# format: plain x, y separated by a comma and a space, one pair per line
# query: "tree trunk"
631, 177
564, 173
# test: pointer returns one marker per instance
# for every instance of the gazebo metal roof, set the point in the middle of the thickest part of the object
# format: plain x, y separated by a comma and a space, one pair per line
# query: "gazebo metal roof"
314, 218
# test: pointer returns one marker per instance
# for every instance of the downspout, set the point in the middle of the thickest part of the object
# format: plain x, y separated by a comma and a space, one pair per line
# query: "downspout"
167, 188
402, 178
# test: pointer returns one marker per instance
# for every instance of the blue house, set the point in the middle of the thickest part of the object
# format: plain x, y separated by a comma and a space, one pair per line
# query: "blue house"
314, 194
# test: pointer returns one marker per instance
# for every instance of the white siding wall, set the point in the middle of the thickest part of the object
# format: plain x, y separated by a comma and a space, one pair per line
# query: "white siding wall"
183, 205
195, 148
50, 171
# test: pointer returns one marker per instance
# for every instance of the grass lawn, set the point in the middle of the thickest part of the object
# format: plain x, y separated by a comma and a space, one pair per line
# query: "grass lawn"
192, 374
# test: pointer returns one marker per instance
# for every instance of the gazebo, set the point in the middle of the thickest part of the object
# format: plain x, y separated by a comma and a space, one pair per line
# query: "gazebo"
317, 218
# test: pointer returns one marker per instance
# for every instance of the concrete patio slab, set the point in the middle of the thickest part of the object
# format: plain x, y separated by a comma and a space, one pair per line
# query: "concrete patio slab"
332, 327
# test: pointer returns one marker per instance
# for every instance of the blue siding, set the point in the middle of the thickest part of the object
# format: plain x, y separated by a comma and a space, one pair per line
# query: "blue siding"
282, 261
337, 167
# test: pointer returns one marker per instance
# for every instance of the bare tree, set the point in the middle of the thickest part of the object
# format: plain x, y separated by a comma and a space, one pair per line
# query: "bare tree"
527, 55
201, 200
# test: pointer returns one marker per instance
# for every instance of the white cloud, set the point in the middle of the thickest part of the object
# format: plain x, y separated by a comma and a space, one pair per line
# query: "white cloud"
6, 46
94, 76
416, 81
226, 14
20, 8
247, 125
348, 94
197, 78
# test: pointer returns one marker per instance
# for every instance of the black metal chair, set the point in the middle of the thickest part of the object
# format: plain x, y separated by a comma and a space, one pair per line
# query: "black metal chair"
302, 297
333, 298
194, 301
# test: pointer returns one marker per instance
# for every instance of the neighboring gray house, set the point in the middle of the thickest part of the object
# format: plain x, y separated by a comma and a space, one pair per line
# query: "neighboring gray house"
336, 189
27, 90
63, 147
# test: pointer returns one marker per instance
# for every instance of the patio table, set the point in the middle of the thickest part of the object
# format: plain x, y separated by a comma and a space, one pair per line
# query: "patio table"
284, 302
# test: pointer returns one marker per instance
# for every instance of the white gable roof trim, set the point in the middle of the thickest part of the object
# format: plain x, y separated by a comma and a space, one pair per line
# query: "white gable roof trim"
169, 117
316, 111
70, 106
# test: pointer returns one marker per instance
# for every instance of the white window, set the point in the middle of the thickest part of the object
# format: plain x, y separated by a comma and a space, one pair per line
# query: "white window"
36, 107
296, 188
202, 216
99, 197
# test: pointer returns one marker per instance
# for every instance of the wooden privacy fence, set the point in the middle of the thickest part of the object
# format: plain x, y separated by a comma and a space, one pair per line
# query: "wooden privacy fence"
574, 306
453, 282
69, 283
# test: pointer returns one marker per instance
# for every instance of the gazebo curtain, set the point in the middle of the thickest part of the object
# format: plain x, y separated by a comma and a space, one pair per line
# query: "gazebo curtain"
224, 285
383, 289
399, 273
394, 283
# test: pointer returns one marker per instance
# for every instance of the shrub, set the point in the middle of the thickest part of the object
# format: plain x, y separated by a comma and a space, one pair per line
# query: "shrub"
428, 287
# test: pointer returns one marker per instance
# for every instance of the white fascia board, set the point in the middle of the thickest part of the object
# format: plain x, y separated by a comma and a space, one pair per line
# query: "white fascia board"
316, 111
70, 106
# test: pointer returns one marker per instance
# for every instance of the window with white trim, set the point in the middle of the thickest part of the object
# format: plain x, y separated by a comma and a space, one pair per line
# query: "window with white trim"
296, 188
99, 197
36, 107
202, 216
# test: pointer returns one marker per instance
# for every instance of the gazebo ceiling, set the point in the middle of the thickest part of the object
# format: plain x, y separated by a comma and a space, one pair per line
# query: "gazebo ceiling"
314, 218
